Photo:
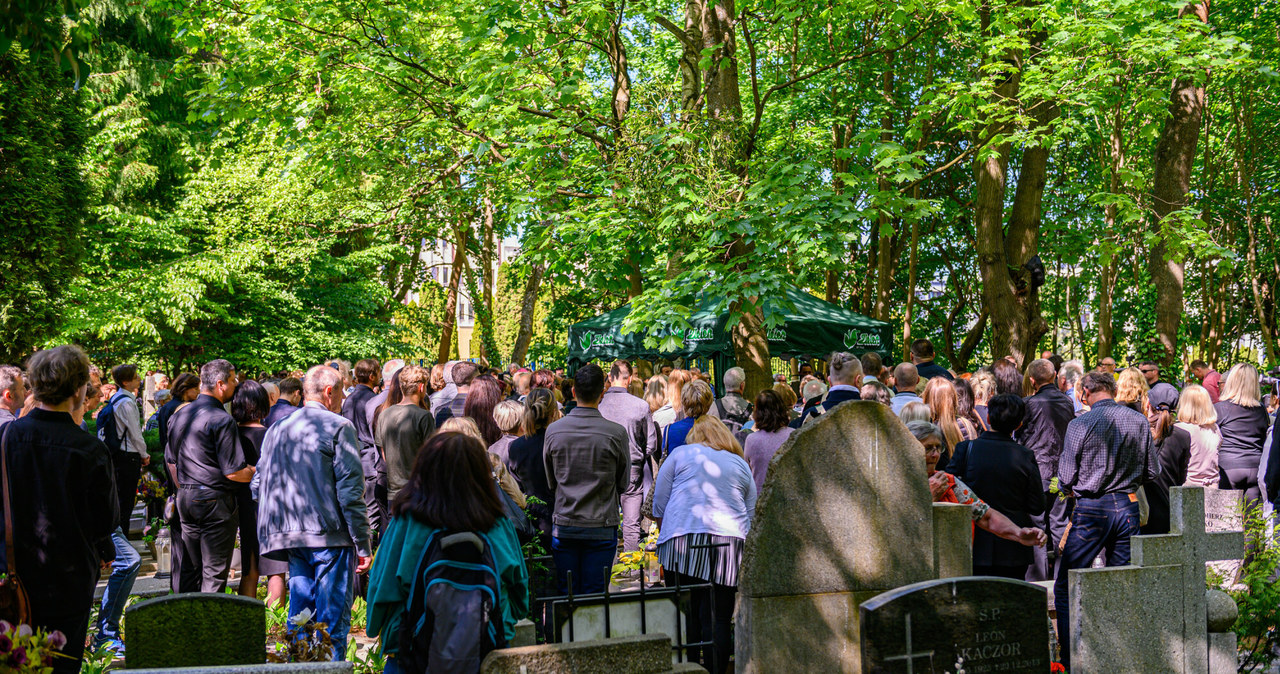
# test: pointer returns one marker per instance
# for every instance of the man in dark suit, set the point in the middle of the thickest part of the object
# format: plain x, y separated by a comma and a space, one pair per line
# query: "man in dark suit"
355, 409
288, 402
1049, 410
1004, 474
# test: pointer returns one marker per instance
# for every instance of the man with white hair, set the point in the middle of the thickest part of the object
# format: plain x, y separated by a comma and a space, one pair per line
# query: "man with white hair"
812, 392
733, 409
311, 508
273, 392
13, 392
1068, 377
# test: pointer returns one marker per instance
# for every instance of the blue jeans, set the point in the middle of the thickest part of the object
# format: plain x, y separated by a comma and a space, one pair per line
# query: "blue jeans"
321, 579
1097, 524
123, 572
589, 560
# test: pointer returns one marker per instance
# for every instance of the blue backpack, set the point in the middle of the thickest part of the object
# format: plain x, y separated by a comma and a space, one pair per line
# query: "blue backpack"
107, 431
454, 615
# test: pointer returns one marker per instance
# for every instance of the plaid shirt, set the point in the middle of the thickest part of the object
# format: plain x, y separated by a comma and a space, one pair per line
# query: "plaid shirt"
1107, 450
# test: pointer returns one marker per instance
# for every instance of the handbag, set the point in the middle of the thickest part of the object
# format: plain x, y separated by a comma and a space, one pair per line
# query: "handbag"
524, 528
15, 604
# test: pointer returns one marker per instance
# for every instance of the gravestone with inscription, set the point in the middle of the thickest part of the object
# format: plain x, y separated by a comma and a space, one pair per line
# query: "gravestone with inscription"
978, 625
1154, 615
845, 514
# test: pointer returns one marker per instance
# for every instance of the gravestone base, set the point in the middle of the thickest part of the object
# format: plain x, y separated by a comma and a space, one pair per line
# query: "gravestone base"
1133, 616
643, 654
1222, 653
828, 642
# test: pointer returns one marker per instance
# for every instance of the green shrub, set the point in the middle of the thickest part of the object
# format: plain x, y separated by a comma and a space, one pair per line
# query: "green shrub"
1258, 627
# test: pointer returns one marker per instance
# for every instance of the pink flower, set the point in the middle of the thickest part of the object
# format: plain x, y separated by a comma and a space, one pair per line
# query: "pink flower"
6, 644
19, 657
57, 640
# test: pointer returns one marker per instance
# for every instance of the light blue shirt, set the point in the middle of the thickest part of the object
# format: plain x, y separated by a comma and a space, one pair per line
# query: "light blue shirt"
901, 399
700, 490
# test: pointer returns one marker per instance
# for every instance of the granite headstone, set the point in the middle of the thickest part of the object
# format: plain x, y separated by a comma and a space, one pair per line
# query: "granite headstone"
844, 515
196, 630
981, 625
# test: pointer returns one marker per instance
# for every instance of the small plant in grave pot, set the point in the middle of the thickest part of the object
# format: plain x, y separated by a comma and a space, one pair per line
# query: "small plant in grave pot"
305, 641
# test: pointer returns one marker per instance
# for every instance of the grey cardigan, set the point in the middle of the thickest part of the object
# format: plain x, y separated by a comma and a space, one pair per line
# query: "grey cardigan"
311, 485
588, 467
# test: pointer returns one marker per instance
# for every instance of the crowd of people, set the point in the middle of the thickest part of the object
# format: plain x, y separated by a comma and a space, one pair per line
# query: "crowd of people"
344, 480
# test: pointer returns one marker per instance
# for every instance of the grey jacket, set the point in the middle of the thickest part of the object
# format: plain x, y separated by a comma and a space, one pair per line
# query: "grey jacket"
632, 414
311, 485
588, 467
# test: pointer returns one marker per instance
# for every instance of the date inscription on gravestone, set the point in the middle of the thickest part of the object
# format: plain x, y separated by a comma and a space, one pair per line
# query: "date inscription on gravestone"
981, 625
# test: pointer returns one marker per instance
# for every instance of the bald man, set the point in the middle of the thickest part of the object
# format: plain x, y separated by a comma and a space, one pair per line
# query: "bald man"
905, 379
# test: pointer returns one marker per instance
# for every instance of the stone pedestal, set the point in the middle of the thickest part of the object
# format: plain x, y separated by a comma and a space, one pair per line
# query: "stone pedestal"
800, 633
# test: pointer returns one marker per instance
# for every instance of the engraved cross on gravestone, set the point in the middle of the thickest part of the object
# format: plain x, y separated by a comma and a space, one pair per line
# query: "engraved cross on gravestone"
910, 657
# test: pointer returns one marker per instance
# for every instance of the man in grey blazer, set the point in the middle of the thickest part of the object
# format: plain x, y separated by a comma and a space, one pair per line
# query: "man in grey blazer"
632, 413
311, 509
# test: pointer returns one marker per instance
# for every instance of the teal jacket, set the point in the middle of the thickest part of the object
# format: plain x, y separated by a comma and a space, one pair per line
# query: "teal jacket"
396, 562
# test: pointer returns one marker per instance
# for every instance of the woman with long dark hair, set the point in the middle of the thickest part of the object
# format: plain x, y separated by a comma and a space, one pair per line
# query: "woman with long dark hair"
485, 395
772, 418
965, 405
249, 407
451, 489
1173, 442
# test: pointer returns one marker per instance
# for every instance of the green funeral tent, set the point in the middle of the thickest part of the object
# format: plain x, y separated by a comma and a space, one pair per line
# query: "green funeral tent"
810, 328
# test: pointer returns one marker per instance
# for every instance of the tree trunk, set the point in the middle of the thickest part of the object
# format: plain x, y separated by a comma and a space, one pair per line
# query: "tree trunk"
971, 341
528, 303
1255, 285
451, 295
1111, 215
1013, 305
1174, 157
886, 258
868, 288
635, 278
911, 291
751, 349
484, 312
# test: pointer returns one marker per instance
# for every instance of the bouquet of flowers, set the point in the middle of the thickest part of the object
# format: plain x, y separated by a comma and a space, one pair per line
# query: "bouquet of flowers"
29, 651
644, 560
150, 489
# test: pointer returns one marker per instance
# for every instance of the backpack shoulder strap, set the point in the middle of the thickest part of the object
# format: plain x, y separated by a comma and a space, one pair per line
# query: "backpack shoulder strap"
720, 411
